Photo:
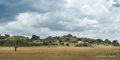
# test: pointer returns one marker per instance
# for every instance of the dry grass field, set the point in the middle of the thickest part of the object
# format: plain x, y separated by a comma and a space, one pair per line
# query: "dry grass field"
60, 53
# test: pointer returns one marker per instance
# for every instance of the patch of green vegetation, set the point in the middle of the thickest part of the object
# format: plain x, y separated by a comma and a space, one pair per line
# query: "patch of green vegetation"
84, 45
116, 53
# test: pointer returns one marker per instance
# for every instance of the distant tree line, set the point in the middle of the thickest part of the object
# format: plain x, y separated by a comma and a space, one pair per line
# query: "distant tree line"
66, 40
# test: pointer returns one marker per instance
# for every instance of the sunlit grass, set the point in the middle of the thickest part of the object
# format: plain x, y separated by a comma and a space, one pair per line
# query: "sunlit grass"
59, 53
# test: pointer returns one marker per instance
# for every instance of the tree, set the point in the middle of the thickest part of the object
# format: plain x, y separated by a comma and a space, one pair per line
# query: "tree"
15, 40
99, 41
87, 45
6, 35
115, 43
34, 37
93, 42
60, 41
67, 44
70, 35
68, 39
79, 39
2, 37
107, 41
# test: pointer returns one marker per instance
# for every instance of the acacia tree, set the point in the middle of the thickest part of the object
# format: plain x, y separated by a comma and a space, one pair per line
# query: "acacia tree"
15, 40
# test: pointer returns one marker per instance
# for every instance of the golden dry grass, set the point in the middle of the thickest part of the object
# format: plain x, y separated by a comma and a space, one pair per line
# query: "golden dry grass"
59, 53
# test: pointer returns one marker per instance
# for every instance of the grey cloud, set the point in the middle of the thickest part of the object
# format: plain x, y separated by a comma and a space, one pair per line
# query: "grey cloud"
116, 5
11, 8
56, 11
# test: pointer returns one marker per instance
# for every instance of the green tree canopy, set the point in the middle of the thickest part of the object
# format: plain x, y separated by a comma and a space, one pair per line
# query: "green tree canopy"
6, 35
99, 41
34, 37
115, 43
16, 39
107, 41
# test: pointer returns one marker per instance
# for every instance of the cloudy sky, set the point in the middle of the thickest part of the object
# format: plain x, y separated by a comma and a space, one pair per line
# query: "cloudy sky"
82, 18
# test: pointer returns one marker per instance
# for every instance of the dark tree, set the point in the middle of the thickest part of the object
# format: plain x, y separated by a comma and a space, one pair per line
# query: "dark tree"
2, 37
70, 35
115, 43
60, 42
67, 44
99, 41
79, 39
6, 35
93, 42
34, 37
107, 41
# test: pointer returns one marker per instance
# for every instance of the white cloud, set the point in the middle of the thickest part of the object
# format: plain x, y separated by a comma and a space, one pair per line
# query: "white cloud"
89, 7
111, 2
78, 23
31, 18
83, 18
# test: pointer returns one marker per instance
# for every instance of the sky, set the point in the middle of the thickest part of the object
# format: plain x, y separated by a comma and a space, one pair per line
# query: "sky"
81, 18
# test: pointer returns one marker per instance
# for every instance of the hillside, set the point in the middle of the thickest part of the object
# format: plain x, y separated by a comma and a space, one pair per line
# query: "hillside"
65, 40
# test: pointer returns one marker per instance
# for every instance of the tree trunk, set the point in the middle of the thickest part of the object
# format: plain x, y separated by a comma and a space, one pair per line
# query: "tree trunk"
15, 48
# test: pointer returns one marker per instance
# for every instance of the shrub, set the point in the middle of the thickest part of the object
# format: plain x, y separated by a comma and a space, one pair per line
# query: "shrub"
83, 45
62, 43
67, 44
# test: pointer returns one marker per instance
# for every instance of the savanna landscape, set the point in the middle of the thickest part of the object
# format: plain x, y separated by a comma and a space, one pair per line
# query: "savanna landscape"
67, 47
59, 29
60, 53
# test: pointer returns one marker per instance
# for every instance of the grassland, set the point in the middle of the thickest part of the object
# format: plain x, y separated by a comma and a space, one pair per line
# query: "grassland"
60, 53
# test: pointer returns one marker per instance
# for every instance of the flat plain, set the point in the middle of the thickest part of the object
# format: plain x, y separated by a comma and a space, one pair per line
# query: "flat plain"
60, 53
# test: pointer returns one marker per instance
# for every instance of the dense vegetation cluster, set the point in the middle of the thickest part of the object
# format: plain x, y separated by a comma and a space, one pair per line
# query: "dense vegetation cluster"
66, 40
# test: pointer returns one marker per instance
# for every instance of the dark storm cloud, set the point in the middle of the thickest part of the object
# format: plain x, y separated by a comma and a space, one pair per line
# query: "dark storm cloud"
11, 8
